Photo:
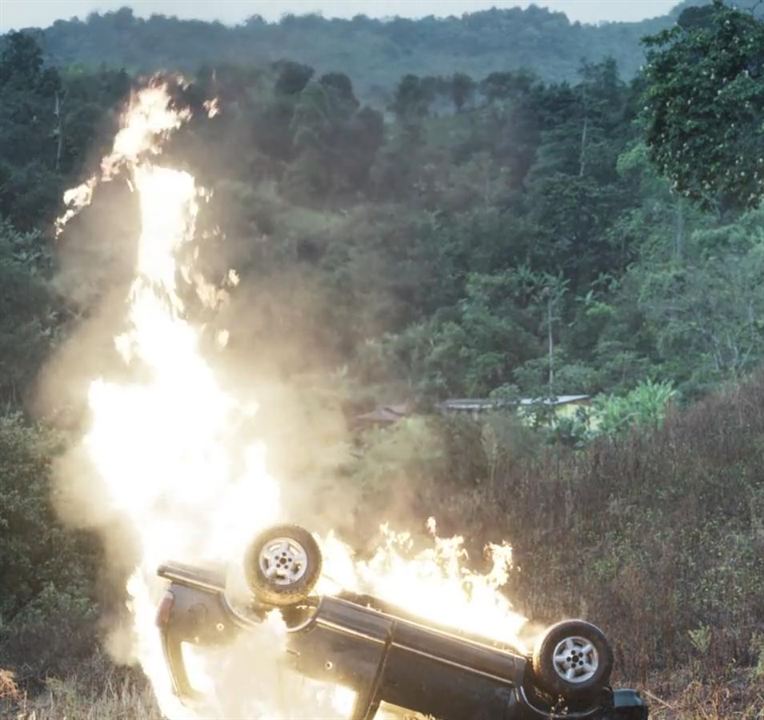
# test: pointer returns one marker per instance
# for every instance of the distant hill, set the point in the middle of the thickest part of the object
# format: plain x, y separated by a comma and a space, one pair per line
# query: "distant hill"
376, 53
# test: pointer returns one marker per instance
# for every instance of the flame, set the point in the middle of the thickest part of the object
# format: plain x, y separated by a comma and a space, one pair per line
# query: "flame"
175, 466
434, 583
148, 120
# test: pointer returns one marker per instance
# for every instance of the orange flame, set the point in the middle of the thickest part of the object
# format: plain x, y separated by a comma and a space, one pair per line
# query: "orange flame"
172, 464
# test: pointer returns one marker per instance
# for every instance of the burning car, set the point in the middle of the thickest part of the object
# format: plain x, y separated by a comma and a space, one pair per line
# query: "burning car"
383, 653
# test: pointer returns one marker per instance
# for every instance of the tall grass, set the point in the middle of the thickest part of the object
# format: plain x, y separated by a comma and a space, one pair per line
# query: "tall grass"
656, 534
75, 698
672, 697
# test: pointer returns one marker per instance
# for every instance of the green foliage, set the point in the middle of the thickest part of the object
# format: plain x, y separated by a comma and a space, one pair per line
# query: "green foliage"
46, 608
379, 52
473, 349
292, 77
47, 125
27, 310
644, 407
431, 238
705, 103
412, 98
757, 648
573, 431
462, 90
707, 305
28, 125
434, 238
333, 142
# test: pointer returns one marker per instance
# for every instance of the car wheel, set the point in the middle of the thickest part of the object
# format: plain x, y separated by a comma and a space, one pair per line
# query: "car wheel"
282, 565
573, 659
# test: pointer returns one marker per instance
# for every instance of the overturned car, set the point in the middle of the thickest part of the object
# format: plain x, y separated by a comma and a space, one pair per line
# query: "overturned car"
385, 654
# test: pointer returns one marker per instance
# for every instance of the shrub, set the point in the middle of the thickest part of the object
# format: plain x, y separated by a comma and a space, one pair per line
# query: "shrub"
46, 572
644, 406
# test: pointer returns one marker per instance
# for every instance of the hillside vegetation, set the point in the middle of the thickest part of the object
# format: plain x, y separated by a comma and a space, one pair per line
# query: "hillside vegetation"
379, 51
496, 233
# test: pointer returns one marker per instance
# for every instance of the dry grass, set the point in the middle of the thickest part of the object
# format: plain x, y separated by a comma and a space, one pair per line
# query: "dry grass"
677, 697
9, 690
65, 700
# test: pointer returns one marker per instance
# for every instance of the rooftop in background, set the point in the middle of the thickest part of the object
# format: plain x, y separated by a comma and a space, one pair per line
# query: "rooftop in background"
484, 404
384, 415
390, 414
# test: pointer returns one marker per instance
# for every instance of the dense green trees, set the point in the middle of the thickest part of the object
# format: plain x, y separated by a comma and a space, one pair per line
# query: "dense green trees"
439, 234
379, 52
27, 311
47, 612
709, 304
29, 126
48, 124
705, 99
51, 123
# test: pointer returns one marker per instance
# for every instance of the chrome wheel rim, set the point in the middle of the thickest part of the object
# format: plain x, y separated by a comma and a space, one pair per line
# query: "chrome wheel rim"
575, 660
283, 561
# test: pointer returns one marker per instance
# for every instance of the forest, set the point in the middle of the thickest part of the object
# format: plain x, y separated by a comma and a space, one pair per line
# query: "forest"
380, 51
521, 220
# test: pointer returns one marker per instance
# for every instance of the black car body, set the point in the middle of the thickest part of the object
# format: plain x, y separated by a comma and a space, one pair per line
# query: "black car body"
380, 652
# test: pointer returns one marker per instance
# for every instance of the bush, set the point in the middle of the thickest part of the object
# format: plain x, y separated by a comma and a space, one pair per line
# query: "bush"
644, 406
47, 610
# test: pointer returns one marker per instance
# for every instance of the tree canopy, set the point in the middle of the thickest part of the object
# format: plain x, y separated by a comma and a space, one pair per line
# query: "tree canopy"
705, 105
378, 51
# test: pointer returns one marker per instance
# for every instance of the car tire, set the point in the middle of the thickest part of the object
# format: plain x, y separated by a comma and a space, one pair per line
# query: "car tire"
573, 660
282, 565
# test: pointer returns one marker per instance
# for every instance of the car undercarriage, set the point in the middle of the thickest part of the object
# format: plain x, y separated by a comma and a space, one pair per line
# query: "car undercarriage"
385, 655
